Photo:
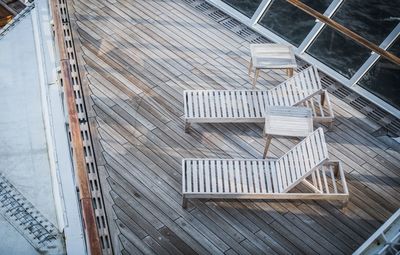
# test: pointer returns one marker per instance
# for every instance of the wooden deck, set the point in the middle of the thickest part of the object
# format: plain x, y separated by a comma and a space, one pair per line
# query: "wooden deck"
136, 58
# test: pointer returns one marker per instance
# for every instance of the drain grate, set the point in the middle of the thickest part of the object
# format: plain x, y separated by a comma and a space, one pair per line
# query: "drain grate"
230, 23
203, 7
28, 221
260, 39
217, 15
91, 166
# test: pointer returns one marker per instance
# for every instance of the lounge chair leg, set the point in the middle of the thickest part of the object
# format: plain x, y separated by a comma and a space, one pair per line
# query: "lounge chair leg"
344, 203
336, 171
184, 202
256, 74
290, 72
187, 126
330, 126
323, 99
250, 66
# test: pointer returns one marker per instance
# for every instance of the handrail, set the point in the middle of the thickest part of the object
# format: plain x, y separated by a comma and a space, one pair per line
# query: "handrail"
5, 6
92, 236
347, 32
15, 19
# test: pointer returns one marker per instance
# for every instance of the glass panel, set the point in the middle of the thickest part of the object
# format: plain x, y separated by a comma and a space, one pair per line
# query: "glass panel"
371, 19
338, 52
247, 7
289, 22
383, 79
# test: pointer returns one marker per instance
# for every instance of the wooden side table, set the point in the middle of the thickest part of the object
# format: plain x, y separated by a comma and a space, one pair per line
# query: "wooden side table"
271, 56
286, 121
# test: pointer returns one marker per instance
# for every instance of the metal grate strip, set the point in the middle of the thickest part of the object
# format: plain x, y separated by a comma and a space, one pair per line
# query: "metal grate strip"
91, 166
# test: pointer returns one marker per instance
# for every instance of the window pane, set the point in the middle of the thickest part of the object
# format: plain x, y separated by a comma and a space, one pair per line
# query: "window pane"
371, 19
247, 7
338, 52
289, 22
383, 79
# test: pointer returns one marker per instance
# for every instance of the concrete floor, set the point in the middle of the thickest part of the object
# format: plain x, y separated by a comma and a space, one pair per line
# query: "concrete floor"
23, 147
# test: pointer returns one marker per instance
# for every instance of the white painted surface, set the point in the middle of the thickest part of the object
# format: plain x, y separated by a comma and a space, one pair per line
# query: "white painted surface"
23, 145
34, 149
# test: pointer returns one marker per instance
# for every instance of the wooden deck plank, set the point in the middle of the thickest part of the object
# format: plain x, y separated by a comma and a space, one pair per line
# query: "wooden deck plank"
138, 57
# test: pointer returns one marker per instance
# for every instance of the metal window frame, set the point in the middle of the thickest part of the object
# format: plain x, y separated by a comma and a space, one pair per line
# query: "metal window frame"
312, 35
314, 32
369, 63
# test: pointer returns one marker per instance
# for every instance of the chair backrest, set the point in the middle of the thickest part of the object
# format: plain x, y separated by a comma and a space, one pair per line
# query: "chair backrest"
296, 89
301, 160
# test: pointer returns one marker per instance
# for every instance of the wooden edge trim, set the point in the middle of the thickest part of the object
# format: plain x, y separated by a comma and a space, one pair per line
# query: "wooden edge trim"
89, 221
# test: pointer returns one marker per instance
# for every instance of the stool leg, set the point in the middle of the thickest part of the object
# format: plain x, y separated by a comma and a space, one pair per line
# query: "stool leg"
256, 74
187, 126
267, 143
250, 66
184, 202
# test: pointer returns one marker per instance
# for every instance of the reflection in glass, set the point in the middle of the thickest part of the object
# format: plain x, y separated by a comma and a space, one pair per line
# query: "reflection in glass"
338, 52
247, 7
383, 79
371, 19
289, 22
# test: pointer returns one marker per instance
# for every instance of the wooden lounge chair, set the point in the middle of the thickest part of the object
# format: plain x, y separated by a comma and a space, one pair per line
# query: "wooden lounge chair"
248, 106
306, 163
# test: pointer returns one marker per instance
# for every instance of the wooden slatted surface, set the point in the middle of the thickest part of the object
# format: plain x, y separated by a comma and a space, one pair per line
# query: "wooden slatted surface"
235, 178
137, 58
216, 106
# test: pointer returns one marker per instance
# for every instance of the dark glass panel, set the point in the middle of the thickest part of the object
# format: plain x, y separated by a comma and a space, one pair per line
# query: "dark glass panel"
371, 19
247, 7
289, 22
338, 52
383, 79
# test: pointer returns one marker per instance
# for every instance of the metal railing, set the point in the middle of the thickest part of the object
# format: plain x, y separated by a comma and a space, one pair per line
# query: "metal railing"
10, 25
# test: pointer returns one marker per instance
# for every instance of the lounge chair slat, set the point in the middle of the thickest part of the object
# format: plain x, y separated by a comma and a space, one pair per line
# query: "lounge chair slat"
237, 177
256, 177
207, 183
235, 105
201, 176
274, 178
245, 104
225, 176
189, 101
249, 175
219, 177
252, 104
325, 180
206, 98
231, 172
263, 182
189, 176
244, 177
223, 104
214, 178
335, 190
